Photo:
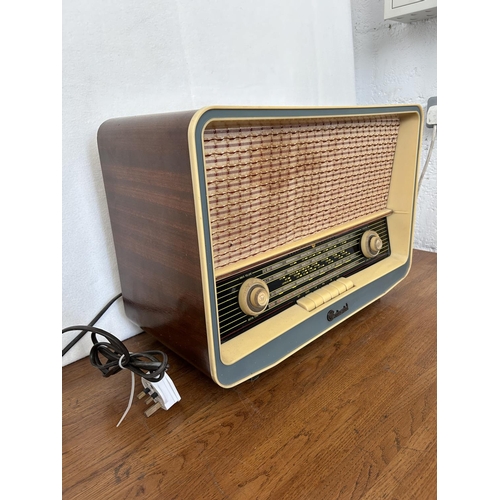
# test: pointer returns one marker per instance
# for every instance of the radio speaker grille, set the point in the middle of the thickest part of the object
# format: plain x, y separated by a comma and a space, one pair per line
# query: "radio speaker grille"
274, 182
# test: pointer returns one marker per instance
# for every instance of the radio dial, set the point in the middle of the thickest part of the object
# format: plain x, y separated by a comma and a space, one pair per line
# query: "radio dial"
253, 296
371, 244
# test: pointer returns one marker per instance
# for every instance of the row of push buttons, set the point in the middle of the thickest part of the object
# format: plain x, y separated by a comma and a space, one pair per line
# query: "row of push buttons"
324, 294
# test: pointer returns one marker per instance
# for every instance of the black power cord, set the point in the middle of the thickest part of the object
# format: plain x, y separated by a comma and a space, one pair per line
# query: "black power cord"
112, 356
92, 323
114, 353
144, 364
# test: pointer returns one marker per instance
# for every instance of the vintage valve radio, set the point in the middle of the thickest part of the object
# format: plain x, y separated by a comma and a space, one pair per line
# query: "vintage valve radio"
243, 234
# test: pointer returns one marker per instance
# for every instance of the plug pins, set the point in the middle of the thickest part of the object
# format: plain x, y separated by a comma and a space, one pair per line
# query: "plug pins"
149, 400
162, 393
143, 393
151, 410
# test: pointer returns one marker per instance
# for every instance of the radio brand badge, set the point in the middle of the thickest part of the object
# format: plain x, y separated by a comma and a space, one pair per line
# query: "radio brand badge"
335, 314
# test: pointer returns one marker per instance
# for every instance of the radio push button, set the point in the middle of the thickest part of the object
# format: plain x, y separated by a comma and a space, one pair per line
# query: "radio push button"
253, 296
334, 290
347, 282
339, 286
306, 303
325, 293
314, 299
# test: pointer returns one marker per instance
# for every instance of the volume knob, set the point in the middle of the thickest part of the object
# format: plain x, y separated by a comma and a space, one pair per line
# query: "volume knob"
253, 296
371, 244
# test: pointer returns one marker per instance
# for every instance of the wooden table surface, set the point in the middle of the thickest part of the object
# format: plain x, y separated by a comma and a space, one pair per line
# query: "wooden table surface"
352, 415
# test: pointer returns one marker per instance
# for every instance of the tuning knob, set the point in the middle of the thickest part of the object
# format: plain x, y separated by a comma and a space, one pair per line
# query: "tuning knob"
253, 296
371, 244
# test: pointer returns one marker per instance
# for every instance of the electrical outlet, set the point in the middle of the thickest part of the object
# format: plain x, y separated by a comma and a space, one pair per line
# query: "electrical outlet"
432, 112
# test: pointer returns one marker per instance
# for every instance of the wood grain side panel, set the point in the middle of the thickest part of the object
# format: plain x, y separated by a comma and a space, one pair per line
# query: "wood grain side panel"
147, 178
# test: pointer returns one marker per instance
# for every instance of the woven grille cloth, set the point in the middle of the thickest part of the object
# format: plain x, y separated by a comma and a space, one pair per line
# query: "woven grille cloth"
274, 182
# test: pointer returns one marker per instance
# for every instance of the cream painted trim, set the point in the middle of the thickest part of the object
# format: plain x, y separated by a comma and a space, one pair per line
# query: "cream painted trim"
404, 183
193, 158
203, 110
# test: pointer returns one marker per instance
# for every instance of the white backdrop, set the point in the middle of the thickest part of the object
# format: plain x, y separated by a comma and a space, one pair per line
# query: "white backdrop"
123, 57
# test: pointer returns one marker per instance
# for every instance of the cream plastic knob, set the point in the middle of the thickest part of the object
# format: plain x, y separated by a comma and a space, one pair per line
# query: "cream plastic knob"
371, 244
253, 296
375, 244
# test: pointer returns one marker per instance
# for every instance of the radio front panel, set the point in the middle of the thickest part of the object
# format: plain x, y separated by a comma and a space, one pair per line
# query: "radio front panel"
295, 276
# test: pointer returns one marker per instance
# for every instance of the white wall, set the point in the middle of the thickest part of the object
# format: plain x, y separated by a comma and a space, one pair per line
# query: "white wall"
124, 57
397, 63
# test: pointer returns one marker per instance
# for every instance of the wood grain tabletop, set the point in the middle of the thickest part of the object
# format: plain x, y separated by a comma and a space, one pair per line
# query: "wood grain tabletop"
350, 416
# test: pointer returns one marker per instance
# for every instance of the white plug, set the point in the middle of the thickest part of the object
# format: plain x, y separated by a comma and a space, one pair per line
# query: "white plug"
432, 116
432, 112
163, 393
